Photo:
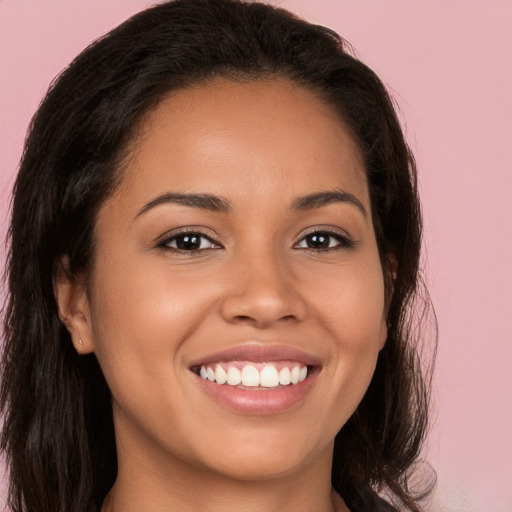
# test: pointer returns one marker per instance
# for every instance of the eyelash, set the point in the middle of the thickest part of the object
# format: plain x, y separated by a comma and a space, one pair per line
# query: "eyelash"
343, 241
164, 244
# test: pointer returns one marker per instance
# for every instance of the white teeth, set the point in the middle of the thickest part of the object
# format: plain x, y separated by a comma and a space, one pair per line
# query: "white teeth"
250, 376
210, 374
269, 378
220, 375
285, 376
295, 374
234, 376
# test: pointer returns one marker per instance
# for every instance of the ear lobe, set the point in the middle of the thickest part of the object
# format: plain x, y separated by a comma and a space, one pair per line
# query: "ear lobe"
73, 304
392, 268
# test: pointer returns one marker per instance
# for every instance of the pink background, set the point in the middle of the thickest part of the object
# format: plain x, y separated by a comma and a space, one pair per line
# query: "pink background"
449, 66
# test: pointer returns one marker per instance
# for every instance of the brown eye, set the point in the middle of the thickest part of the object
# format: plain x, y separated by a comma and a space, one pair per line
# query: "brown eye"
189, 242
324, 240
318, 241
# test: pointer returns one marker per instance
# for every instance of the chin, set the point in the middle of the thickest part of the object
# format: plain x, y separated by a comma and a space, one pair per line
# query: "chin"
267, 457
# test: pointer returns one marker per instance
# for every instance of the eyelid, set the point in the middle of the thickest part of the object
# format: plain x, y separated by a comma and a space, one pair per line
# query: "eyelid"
346, 241
183, 231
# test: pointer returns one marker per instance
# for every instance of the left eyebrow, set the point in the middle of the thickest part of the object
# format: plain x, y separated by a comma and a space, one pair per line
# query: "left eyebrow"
319, 199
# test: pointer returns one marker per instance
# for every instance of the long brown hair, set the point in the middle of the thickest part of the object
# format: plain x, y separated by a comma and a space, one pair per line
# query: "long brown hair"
58, 434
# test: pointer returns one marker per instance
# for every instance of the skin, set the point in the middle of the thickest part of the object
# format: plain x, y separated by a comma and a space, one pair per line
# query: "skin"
148, 310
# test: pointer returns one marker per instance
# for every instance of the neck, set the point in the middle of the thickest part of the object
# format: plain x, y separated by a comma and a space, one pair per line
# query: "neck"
152, 482
257, 499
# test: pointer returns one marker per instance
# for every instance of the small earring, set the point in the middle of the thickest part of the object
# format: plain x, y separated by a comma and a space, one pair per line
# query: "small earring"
80, 341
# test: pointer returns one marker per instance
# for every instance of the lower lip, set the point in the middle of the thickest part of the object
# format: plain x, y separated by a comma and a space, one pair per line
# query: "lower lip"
258, 401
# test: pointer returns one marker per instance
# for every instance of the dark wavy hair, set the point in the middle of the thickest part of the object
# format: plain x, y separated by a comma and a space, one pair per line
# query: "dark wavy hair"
58, 433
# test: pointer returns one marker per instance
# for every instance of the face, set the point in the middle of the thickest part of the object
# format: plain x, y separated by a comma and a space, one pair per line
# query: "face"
239, 246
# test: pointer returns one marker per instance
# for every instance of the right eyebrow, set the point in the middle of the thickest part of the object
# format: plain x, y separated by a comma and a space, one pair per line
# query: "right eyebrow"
200, 201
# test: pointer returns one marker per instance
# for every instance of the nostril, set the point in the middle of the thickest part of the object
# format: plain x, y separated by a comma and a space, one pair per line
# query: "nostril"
262, 320
244, 318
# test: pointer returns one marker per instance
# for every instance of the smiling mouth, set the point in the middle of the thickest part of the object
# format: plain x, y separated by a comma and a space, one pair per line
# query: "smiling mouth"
250, 375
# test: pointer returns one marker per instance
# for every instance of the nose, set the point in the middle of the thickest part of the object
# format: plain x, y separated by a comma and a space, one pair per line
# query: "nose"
263, 292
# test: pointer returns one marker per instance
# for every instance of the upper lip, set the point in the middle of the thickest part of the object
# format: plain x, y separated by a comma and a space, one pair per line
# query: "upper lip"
259, 353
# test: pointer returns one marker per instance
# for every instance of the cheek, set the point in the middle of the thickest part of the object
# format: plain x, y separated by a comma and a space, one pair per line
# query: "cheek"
352, 312
141, 317
350, 302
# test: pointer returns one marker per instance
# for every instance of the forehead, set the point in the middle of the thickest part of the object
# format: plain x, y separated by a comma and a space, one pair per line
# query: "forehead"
232, 138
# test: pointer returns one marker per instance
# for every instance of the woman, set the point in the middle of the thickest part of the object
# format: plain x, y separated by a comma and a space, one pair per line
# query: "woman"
214, 255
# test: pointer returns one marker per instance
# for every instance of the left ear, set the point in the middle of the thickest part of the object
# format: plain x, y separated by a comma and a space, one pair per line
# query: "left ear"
73, 305
383, 335
389, 267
